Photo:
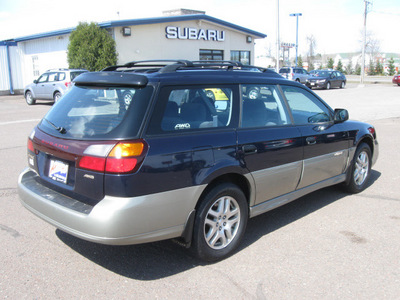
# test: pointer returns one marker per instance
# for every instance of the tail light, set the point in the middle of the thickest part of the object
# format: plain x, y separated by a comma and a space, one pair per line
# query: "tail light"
68, 84
30, 146
372, 131
124, 157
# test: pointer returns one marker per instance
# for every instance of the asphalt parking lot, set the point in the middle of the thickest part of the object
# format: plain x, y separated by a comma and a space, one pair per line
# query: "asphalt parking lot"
326, 245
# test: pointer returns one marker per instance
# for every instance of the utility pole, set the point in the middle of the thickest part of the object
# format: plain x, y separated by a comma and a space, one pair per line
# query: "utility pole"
366, 3
277, 37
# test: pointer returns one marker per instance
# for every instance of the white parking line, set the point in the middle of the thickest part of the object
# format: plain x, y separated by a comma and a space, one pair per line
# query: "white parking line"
19, 121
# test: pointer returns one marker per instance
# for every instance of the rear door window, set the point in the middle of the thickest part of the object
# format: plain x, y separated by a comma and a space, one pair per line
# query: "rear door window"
262, 106
192, 108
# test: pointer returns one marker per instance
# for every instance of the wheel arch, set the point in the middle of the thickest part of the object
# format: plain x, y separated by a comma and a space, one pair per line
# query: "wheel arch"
57, 91
235, 178
30, 91
365, 139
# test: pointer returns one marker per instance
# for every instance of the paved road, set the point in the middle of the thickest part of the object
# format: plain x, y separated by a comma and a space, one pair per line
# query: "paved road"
327, 245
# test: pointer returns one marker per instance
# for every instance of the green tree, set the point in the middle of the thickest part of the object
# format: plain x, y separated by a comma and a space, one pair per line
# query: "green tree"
378, 68
300, 62
391, 68
339, 66
91, 47
311, 66
330, 63
357, 69
349, 68
371, 68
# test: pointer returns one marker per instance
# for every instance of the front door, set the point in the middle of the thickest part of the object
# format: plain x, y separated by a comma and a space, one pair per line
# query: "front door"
325, 143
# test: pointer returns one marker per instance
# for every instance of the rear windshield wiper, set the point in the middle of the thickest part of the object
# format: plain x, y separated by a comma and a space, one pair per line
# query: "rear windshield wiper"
61, 130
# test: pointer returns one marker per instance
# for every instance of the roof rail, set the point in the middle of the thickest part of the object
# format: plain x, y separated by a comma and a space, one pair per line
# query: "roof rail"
168, 66
57, 69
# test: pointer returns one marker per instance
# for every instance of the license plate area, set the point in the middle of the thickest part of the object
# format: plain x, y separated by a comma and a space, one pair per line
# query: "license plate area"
58, 171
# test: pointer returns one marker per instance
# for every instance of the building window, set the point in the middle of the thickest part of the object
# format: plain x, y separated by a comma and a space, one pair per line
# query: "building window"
242, 56
211, 54
35, 66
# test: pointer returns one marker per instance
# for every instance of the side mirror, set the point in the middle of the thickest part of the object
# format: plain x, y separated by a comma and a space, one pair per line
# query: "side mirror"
340, 115
35, 81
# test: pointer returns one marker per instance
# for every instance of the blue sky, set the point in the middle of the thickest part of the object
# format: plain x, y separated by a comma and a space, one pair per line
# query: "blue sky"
335, 24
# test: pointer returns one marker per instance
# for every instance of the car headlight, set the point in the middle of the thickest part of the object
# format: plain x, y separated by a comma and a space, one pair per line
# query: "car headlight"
321, 81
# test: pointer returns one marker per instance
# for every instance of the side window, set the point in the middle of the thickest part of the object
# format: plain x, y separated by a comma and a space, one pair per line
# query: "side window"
262, 106
43, 78
61, 76
193, 109
305, 107
52, 77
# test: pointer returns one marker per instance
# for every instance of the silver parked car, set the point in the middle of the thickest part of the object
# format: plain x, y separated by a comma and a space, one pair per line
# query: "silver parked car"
295, 74
51, 85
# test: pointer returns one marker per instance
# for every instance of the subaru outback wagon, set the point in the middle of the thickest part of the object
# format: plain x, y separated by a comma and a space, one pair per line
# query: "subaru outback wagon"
174, 163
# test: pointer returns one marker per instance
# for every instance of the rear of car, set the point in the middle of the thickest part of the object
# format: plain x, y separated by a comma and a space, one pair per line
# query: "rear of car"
83, 154
295, 74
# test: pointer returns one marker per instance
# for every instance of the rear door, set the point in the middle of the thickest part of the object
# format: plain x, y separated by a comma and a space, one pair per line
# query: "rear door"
49, 86
325, 143
190, 134
269, 146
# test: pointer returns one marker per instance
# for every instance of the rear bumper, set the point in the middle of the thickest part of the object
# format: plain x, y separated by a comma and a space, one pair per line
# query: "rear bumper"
113, 221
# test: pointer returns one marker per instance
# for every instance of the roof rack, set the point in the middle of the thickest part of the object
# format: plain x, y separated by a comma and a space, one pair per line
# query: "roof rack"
152, 65
168, 66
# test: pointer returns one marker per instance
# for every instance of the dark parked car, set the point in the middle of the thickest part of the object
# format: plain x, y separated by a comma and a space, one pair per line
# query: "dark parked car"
326, 79
51, 85
396, 79
176, 163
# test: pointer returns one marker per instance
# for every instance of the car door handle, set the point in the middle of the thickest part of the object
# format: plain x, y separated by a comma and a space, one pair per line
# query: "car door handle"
249, 149
311, 140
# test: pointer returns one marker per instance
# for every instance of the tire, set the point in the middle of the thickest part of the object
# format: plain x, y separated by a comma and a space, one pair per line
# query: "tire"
298, 80
56, 96
342, 85
328, 86
29, 98
360, 169
220, 223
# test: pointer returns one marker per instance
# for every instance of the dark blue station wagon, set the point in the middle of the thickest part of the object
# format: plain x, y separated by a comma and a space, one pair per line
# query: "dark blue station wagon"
186, 150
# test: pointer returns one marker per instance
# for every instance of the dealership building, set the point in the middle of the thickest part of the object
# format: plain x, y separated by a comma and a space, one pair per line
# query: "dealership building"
179, 34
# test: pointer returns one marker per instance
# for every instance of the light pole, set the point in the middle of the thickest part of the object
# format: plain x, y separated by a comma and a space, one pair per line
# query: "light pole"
297, 15
277, 37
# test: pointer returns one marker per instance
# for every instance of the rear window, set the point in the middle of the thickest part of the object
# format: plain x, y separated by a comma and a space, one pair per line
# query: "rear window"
75, 74
92, 112
284, 70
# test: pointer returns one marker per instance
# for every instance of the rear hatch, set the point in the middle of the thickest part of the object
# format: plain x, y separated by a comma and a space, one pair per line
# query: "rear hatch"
92, 132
